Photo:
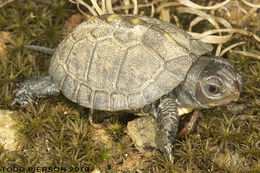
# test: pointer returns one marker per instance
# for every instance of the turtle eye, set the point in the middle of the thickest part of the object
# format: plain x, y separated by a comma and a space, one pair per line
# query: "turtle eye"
213, 89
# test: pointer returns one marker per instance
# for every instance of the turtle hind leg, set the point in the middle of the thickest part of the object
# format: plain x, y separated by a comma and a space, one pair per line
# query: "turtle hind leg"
166, 114
33, 88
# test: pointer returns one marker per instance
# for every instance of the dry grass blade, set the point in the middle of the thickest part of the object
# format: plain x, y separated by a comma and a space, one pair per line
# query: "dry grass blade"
224, 22
213, 36
247, 53
167, 4
196, 6
165, 14
135, 7
231, 47
97, 8
103, 6
80, 2
195, 22
176, 20
109, 6
199, 19
131, 6
207, 36
218, 50
199, 13
152, 11
226, 11
209, 33
241, 31
251, 5
248, 15
212, 39
126, 3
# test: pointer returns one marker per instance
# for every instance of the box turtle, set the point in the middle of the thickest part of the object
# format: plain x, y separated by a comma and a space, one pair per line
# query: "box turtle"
139, 64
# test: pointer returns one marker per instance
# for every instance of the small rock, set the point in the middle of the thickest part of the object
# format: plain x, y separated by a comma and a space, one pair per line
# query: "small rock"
96, 170
8, 129
5, 37
143, 133
101, 136
131, 163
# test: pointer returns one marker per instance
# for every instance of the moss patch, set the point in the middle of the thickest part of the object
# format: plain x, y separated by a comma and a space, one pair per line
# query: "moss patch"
55, 132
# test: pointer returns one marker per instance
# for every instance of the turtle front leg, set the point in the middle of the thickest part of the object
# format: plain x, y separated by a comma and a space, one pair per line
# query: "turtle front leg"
33, 88
166, 114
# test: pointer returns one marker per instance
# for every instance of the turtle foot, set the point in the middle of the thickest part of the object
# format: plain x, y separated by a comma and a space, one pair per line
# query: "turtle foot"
33, 88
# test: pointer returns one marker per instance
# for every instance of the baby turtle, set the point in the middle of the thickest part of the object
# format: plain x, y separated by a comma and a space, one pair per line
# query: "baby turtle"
139, 64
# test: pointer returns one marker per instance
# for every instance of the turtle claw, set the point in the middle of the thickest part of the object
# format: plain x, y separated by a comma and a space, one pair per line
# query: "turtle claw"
36, 87
168, 152
23, 96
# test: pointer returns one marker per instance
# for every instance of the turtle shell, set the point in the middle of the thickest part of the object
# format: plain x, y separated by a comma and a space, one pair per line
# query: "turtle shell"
123, 62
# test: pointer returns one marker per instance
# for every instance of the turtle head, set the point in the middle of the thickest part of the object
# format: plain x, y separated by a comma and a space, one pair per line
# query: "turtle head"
219, 83
210, 82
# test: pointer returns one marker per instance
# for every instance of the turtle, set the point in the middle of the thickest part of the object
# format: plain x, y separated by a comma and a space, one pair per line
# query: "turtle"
138, 64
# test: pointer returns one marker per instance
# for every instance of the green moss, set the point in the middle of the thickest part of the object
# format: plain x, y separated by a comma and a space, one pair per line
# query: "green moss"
55, 133
105, 155
114, 126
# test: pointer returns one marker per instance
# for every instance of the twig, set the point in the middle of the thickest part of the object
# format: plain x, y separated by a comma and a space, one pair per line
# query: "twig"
189, 127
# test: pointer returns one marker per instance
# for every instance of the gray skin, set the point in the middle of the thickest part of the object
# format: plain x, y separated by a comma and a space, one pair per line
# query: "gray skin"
210, 82
174, 70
